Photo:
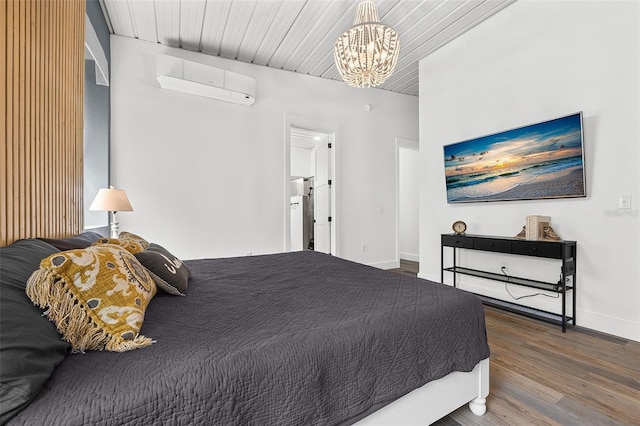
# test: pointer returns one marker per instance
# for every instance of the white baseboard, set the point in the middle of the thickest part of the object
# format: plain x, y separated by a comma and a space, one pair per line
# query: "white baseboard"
410, 256
425, 276
392, 264
606, 324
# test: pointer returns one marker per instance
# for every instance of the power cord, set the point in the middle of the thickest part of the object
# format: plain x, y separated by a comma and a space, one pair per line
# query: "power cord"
506, 287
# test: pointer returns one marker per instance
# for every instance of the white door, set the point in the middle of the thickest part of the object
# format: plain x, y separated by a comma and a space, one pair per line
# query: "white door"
322, 200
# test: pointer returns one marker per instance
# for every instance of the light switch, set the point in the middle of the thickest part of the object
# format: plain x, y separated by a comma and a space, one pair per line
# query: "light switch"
624, 201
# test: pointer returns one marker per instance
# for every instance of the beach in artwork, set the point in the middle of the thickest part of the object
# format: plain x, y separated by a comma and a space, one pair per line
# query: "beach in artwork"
538, 161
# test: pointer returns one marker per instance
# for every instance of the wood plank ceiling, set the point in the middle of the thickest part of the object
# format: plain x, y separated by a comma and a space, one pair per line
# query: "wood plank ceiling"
296, 35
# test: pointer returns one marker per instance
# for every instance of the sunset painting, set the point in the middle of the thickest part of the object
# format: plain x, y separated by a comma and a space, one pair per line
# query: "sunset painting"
543, 160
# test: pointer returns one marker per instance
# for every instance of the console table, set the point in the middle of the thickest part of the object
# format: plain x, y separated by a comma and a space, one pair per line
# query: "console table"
565, 251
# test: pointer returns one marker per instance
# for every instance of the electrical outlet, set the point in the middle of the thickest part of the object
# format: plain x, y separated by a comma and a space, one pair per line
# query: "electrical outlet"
248, 253
504, 264
364, 247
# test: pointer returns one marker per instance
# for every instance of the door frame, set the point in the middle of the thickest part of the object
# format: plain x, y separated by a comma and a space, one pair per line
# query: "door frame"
414, 146
292, 120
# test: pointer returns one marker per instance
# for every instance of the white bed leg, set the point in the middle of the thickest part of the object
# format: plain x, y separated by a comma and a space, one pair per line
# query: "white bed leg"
478, 406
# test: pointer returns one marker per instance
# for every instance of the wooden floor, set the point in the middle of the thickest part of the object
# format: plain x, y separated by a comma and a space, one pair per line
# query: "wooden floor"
542, 376
407, 267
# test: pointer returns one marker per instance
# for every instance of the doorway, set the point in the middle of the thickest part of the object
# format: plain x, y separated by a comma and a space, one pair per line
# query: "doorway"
310, 205
310, 187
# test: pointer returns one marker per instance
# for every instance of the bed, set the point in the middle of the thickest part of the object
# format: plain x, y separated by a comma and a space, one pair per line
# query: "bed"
287, 339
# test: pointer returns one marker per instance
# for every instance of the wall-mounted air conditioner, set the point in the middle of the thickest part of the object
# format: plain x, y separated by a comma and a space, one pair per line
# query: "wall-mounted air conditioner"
190, 77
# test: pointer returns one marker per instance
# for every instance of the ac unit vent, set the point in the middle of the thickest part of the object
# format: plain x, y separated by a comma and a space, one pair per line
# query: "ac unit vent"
198, 79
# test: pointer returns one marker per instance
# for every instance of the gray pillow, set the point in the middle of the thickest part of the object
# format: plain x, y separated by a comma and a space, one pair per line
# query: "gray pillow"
30, 345
79, 241
169, 273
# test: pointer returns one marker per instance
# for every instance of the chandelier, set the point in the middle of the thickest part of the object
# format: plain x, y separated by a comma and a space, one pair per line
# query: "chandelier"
366, 53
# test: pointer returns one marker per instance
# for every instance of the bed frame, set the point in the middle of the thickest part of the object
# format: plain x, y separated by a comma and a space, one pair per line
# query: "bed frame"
436, 399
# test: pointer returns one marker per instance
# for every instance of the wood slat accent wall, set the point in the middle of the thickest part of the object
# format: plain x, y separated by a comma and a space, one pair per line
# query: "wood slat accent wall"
41, 118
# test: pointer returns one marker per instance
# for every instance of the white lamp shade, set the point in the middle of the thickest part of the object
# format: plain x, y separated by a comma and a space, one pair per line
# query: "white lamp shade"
111, 199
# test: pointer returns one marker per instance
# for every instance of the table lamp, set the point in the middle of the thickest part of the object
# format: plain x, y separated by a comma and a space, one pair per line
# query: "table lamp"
112, 200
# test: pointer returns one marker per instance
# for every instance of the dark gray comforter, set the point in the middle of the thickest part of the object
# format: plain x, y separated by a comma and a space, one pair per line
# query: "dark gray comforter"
287, 339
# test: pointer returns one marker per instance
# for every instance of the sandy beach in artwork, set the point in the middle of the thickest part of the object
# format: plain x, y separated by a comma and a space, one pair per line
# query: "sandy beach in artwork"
564, 183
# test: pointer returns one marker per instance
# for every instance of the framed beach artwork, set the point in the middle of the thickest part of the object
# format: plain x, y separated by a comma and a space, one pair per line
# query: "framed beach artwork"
542, 160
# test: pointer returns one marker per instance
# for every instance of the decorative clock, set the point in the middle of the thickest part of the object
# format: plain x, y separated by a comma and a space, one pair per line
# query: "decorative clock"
459, 227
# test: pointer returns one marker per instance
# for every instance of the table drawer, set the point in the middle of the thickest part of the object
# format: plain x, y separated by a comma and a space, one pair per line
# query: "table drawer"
457, 241
486, 244
537, 248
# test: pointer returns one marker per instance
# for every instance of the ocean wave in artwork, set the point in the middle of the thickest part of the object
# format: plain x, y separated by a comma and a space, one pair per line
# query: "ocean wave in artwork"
476, 185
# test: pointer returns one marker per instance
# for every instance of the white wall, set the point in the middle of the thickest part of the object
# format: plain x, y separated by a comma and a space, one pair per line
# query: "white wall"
301, 162
531, 62
207, 178
408, 208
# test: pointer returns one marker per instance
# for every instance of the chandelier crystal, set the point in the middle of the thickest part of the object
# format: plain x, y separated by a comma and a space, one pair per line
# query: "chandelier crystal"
366, 54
